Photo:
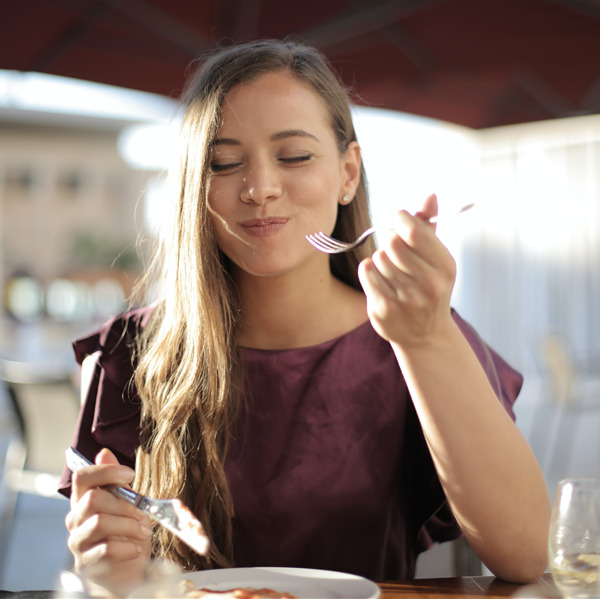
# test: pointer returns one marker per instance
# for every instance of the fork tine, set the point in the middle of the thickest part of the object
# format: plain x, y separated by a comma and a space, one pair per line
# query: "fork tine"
324, 243
331, 243
328, 244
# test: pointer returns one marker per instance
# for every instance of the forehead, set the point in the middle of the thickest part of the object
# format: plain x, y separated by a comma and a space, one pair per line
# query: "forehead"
272, 101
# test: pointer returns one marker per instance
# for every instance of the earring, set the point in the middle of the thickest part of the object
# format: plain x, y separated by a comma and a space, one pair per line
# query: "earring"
345, 198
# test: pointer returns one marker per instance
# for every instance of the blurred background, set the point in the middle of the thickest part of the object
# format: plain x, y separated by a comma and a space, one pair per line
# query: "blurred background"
496, 103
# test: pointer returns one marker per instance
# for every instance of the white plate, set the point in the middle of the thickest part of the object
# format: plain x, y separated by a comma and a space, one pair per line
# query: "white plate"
302, 583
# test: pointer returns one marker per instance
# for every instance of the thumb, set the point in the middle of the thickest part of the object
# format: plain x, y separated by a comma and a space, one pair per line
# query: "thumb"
429, 208
106, 457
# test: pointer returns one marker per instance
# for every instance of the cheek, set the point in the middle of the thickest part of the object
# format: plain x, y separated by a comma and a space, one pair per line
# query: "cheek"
321, 191
323, 198
223, 189
220, 203
217, 212
221, 229
214, 195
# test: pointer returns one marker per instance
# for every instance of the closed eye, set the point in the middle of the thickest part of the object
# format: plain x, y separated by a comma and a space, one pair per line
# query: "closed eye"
223, 168
296, 159
217, 168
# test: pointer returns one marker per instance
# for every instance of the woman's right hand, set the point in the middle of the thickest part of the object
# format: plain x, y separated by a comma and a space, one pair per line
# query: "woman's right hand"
108, 537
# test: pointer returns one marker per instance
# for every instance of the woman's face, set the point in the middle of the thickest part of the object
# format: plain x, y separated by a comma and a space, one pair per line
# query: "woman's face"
276, 174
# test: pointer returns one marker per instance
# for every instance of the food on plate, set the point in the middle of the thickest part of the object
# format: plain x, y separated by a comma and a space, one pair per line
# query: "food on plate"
188, 590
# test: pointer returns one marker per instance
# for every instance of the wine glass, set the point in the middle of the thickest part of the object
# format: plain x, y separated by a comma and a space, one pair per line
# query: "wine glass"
574, 540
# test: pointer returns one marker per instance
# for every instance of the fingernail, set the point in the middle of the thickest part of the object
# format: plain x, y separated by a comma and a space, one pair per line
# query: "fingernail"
146, 530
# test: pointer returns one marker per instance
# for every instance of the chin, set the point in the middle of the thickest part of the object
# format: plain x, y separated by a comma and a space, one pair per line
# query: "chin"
263, 268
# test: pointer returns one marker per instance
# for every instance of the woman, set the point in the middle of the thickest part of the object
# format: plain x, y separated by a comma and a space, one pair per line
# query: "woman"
313, 410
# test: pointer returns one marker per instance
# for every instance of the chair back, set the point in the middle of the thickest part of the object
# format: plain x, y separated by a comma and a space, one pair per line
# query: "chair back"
46, 410
560, 370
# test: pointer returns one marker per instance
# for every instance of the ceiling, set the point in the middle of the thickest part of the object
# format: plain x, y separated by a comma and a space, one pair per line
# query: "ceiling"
478, 63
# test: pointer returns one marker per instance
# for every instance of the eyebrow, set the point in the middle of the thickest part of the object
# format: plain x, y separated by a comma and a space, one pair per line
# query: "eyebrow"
226, 142
292, 133
280, 135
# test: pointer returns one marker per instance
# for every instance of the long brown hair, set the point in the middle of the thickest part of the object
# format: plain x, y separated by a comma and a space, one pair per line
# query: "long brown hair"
188, 370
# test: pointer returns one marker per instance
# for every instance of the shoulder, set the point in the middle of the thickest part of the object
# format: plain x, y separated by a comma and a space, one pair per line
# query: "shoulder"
115, 335
113, 346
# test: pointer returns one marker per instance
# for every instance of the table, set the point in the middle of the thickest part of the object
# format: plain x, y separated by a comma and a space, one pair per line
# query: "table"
468, 587
446, 587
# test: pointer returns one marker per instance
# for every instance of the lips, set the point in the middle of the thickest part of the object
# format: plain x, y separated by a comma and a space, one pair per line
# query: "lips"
264, 226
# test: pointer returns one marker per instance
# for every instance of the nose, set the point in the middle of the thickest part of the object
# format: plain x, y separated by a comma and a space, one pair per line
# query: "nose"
260, 185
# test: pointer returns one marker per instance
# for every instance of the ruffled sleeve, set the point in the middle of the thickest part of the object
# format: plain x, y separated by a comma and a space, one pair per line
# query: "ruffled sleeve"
110, 412
505, 381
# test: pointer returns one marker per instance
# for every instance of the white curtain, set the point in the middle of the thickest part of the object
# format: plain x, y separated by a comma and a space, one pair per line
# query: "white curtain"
529, 252
531, 264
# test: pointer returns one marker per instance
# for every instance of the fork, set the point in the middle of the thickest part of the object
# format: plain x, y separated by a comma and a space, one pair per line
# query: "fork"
325, 243
172, 514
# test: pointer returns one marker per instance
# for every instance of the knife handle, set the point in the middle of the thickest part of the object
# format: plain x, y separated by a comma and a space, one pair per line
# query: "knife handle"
76, 461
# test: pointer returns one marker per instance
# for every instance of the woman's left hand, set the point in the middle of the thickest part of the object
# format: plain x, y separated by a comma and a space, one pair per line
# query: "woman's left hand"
408, 284
409, 281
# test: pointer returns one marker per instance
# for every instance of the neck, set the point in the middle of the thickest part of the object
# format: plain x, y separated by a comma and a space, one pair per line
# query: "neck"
287, 311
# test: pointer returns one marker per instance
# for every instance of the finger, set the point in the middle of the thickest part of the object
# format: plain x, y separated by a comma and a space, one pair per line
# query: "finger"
413, 230
421, 248
387, 288
423, 256
98, 500
396, 260
100, 475
102, 530
377, 289
103, 526
114, 550
407, 286
382, 300
101, 501
397, 273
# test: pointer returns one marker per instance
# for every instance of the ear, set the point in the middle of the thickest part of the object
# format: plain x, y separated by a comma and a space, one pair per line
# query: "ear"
351, 162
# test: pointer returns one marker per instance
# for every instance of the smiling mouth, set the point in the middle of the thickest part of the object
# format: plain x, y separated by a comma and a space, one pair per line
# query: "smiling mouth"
266, 226
265, 222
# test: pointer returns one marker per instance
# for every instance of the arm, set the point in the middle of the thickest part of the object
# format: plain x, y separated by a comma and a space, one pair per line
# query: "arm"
490, 475
106, 534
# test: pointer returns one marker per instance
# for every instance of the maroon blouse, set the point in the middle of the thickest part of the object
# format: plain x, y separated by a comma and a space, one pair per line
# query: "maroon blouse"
329, 469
